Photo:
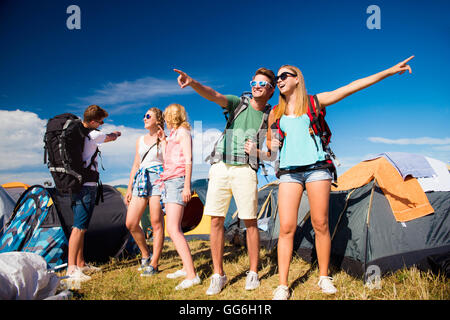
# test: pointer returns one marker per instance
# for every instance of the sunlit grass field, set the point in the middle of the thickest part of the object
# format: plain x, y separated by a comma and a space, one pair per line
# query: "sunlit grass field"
120, 280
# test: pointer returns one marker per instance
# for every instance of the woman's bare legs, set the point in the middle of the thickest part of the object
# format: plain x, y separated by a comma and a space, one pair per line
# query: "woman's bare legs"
174, 215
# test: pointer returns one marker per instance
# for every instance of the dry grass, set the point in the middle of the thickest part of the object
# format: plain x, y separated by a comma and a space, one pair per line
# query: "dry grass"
120, 280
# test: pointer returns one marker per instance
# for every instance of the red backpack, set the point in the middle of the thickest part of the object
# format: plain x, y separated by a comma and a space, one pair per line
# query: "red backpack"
318, 126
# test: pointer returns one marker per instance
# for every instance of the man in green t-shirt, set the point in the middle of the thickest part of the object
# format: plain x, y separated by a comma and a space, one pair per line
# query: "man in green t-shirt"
232, 175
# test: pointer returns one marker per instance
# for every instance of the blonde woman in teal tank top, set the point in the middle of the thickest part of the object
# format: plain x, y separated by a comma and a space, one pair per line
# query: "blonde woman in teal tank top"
298, 150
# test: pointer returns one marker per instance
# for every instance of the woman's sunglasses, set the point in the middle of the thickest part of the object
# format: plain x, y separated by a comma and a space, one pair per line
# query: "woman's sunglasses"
284, 75
147, 116
253, 83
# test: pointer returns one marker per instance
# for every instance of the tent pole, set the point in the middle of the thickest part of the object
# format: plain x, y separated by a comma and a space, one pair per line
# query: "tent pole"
367, 226
342, 212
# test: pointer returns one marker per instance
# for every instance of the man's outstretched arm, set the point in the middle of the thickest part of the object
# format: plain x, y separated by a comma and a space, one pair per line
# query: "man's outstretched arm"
206, 92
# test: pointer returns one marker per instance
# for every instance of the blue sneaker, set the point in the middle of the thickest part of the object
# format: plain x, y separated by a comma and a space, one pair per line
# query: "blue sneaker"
149, 271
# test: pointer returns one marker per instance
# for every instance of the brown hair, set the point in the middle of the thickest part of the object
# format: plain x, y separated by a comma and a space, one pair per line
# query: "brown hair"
301, 105
159, 120
268, 73
176, 116
94, 113
159, 116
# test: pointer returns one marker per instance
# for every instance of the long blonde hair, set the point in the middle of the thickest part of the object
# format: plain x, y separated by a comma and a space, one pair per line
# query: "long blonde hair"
301, 105
175, 115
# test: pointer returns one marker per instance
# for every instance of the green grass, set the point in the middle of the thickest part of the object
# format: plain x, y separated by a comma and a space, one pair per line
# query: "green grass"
120, 280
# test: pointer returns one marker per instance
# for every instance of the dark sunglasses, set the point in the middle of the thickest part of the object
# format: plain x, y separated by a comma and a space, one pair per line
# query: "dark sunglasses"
147, 116
284, 75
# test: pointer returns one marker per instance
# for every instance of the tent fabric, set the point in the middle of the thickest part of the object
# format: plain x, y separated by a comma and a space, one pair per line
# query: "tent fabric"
406, 197
440, 181
6, 208
15, 184
107, 235
35, 227
194, 224
200, 186
15, 189
42, 221
365, 232
407, 164
24, 276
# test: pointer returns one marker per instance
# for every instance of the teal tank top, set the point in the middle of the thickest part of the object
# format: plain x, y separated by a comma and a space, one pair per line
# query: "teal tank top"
298, 147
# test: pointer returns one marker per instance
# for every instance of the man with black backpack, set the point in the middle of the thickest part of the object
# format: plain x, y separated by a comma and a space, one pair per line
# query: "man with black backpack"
234, 167
84, 200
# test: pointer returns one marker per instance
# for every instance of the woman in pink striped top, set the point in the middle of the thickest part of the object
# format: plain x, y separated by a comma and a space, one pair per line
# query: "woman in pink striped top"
177, 188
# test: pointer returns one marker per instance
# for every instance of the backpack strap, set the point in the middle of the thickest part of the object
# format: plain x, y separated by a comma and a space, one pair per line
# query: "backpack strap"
252, 161
45, 148
142, 160
313, 115
64, 153
243, 104
92, 162
260, 136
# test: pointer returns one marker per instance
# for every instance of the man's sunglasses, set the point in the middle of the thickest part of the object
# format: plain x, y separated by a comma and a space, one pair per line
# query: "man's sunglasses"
284, 75
263, 84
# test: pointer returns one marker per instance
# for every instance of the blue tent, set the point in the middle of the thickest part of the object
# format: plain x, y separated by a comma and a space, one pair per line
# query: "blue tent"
42, 219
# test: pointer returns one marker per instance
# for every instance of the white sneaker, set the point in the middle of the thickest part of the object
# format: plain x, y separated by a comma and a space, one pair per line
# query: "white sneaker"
78, 275
177, 274
217, 284
326, 284
252, 282
281, 293
88, 268
187, 283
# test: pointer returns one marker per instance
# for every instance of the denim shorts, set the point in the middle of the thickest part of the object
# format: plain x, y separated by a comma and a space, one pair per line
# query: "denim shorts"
151, 188
173, 190
83, 206
306, 176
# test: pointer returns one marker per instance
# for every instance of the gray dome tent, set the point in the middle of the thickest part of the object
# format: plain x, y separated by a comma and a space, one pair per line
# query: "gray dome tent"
6, 208
365, 233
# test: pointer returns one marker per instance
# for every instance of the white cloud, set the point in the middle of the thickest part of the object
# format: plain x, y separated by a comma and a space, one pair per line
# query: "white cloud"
122, 96
120, 152
442, 148
408, 141
124, 147
31, 178
22, 150
22, 143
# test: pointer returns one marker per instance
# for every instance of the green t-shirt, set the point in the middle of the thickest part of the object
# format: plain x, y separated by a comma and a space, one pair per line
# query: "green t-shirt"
244, 127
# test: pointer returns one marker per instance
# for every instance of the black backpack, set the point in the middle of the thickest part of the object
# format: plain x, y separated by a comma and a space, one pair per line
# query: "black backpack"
63, 148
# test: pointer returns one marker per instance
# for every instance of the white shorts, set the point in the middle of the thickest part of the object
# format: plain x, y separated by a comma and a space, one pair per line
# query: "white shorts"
225, 181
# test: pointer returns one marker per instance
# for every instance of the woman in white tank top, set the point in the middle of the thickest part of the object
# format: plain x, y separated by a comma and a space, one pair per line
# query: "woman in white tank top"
143, 190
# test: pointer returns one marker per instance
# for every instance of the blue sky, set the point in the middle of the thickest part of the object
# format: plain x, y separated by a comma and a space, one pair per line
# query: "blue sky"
123, 55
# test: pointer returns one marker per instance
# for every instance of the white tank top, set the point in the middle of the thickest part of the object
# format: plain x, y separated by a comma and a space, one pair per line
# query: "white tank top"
154, 156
